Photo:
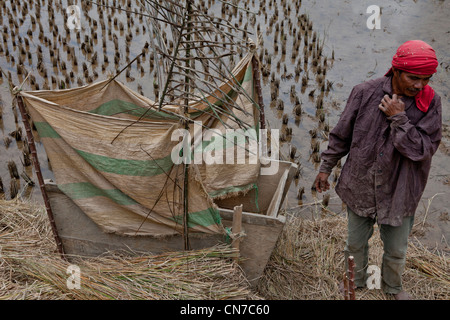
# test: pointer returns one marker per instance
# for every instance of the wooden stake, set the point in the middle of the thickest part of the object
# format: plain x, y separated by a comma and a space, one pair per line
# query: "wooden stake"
351, 275
345, 286
237, 227
349, 280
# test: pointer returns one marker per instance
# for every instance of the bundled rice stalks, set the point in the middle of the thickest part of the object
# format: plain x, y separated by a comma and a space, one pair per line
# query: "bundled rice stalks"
308, 263
30, 267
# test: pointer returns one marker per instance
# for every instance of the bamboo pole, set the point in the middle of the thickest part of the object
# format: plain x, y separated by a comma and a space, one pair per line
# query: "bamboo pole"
37, 168
186, 125
257, 79
262, 118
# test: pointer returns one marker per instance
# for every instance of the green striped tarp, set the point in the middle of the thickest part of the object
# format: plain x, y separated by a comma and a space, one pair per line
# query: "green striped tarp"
110, 151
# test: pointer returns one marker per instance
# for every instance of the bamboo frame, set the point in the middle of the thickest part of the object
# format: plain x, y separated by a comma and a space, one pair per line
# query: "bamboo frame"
182, 20
37, 168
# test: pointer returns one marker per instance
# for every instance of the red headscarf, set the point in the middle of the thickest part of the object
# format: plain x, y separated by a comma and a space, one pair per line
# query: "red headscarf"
418, 57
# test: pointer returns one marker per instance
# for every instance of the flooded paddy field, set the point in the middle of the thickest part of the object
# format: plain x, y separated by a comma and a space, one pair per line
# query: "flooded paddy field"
312, 54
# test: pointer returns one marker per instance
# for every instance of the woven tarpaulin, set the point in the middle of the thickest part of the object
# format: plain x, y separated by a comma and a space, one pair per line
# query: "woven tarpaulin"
110, 150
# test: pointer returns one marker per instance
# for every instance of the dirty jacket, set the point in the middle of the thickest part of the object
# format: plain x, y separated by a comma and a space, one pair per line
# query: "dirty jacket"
388, 158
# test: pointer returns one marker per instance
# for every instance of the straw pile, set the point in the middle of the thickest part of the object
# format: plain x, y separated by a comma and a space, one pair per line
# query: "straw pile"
308, 263
30, 267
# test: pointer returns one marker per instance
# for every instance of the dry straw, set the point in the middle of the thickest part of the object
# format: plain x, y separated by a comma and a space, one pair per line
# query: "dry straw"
30, 267
307, 263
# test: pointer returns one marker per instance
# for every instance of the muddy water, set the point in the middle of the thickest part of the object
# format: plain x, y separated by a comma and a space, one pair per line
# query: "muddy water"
354, 54
362, 54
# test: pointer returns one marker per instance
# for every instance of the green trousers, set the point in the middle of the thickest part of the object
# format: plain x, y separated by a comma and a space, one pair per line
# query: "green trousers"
395, 243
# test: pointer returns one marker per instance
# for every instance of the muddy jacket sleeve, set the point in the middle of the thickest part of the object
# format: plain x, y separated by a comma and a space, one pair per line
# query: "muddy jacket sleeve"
418, 142
340, 137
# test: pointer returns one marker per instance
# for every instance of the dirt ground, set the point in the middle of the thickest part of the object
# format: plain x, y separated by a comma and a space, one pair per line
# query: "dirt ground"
354, 54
